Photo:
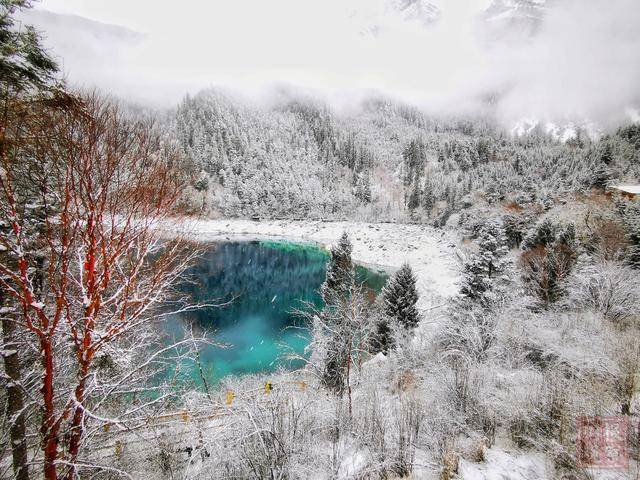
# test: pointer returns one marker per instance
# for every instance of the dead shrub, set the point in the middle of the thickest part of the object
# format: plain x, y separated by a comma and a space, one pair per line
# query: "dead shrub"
477, 451
404, 382
449, 461
544, 419
409, 418
608, 240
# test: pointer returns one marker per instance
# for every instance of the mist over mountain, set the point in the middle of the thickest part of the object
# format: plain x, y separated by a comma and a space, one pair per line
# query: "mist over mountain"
91, 53
513, 19
552, 62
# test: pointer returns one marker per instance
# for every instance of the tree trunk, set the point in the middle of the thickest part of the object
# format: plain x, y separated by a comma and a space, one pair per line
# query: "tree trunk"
49, 428
77, 424
15, 398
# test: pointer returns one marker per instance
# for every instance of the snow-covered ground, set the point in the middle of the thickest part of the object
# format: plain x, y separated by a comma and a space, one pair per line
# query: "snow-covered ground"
430, 252
501, 464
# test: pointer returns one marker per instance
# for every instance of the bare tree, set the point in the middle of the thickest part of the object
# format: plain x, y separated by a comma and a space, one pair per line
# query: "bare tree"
90, 271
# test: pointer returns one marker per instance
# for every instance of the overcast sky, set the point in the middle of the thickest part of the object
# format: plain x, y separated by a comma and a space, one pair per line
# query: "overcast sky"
585, 60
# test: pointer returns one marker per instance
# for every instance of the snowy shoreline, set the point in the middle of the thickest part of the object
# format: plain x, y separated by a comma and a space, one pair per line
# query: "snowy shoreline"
430, 252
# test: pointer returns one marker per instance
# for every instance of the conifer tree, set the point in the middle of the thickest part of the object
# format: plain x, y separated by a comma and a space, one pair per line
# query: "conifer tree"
632, 222
382, 339
414, 196
336, 290
606, 152
396, 308
23, 61
340, 273
428, 198
482, 268
363, 188
549, 254
400, 297
601, 176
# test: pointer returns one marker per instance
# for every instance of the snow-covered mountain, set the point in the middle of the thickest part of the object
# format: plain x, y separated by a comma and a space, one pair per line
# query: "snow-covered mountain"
501, 10
88, 51
420, 11
377, 17
563, 132
513, 19
74, 29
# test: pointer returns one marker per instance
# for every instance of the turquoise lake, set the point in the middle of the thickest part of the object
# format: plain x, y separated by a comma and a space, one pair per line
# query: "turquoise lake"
268, 281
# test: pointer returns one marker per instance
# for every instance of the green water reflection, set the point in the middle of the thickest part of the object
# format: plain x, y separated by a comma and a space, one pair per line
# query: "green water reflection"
268, 280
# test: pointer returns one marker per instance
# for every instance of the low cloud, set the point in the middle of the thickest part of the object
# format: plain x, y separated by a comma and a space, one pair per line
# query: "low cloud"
582, 61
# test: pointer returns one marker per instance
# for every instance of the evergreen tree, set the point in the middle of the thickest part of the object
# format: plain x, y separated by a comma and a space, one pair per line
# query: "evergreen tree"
414, 196
482, 268
606, 152
632, 223
340, 273
631, 134
382, 339
336, 291
548, 257
400, 297
363, 188
415, 157
601, 176
23, 62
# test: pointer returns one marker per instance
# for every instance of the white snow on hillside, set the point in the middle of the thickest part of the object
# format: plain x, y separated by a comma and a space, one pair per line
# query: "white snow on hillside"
501, 464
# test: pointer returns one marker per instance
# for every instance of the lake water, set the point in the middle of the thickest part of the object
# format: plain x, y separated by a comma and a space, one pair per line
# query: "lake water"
267, 280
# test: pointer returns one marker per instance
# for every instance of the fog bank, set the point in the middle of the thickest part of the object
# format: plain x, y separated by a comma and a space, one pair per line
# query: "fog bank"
581, 61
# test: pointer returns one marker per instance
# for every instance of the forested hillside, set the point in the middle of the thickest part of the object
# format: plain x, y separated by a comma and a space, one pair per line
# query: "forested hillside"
384, 160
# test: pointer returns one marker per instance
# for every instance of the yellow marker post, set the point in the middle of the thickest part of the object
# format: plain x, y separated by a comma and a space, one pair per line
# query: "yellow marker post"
268, 387
118, 448
230, 396
185, 416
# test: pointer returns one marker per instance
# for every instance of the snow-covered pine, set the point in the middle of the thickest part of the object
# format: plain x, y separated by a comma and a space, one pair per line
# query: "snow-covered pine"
340, 272
549, 253
632, 224
400, 298
482, 270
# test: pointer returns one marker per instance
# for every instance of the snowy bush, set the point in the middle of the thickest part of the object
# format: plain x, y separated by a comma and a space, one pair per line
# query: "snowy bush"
608, 288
